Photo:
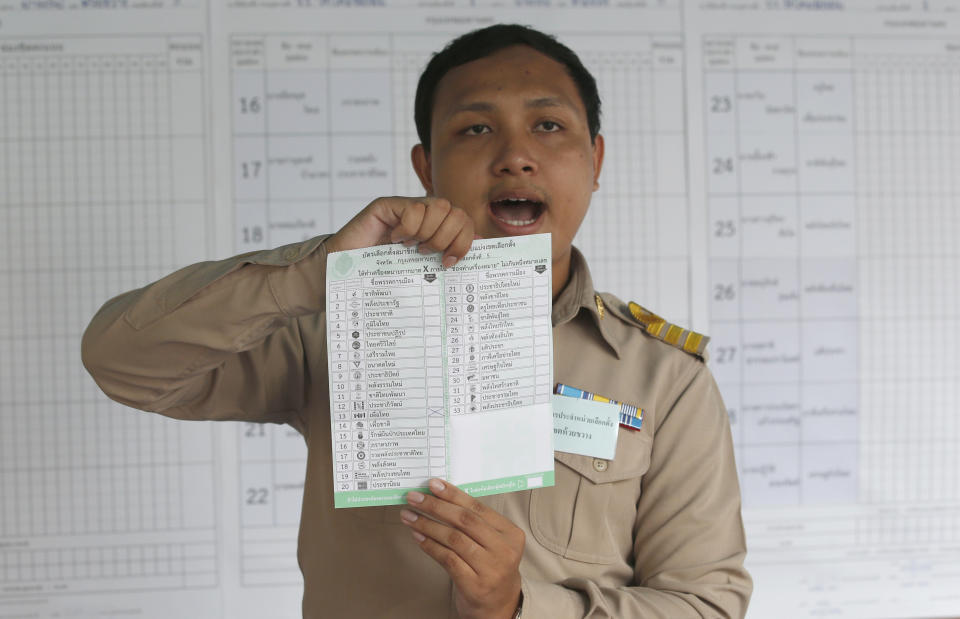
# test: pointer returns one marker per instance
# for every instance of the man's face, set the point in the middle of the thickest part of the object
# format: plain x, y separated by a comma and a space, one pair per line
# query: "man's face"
510, 145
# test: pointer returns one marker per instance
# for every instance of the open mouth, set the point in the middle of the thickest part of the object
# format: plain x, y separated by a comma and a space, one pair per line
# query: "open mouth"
517, 212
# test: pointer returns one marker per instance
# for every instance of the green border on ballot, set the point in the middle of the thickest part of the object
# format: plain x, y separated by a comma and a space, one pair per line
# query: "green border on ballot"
397, 496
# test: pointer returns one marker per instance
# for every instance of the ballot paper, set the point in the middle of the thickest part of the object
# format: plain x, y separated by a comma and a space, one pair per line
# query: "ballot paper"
440, 372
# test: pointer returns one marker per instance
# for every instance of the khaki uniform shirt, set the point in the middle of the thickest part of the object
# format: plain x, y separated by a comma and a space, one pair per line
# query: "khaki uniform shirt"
655, 532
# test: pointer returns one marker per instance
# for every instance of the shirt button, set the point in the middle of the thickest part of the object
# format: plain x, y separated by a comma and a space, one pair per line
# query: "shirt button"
291, 254
600, 465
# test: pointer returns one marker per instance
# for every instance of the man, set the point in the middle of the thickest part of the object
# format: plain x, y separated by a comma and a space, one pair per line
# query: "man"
509, 125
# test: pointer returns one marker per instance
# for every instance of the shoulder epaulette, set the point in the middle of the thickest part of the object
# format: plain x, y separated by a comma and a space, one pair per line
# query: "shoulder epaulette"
684, 339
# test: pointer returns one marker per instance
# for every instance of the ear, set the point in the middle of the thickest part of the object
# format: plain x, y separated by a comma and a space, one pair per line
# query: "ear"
597, 160
421, 165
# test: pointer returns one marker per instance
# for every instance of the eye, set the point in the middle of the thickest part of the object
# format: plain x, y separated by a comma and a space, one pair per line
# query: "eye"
476, 130
549, 126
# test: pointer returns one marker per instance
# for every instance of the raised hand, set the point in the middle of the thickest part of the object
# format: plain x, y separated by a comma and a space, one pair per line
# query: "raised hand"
432, 223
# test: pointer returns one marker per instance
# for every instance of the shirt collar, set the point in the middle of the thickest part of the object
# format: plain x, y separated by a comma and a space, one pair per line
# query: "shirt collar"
579, 295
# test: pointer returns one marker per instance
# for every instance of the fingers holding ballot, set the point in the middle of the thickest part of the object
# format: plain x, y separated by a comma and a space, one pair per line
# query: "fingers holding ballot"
432, 223
480, 548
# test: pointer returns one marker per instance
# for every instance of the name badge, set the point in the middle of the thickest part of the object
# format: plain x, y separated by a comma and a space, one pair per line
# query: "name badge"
585, 427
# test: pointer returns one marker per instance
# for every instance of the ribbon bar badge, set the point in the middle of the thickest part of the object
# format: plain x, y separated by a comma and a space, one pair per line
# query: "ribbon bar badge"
631, 417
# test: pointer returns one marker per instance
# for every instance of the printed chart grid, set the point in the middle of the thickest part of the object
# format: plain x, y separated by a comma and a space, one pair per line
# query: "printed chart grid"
272, 463
831, 167
94, 200
636, 231
908, 141
783, 268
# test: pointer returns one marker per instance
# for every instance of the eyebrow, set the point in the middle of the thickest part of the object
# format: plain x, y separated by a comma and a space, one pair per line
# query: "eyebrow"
547, 102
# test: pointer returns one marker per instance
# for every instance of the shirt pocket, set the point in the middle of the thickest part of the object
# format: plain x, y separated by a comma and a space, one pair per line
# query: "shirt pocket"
590, 512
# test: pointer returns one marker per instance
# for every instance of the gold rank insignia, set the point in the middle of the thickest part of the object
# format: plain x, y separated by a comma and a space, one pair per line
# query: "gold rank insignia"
600, 306
684, 339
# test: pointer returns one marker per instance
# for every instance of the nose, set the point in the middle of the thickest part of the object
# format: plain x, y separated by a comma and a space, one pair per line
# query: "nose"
515, 155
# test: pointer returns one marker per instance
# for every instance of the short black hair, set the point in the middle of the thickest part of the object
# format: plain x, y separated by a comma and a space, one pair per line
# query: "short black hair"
487, 41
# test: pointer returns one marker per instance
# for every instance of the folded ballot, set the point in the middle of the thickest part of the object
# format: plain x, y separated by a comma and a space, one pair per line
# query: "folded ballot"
440, 372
